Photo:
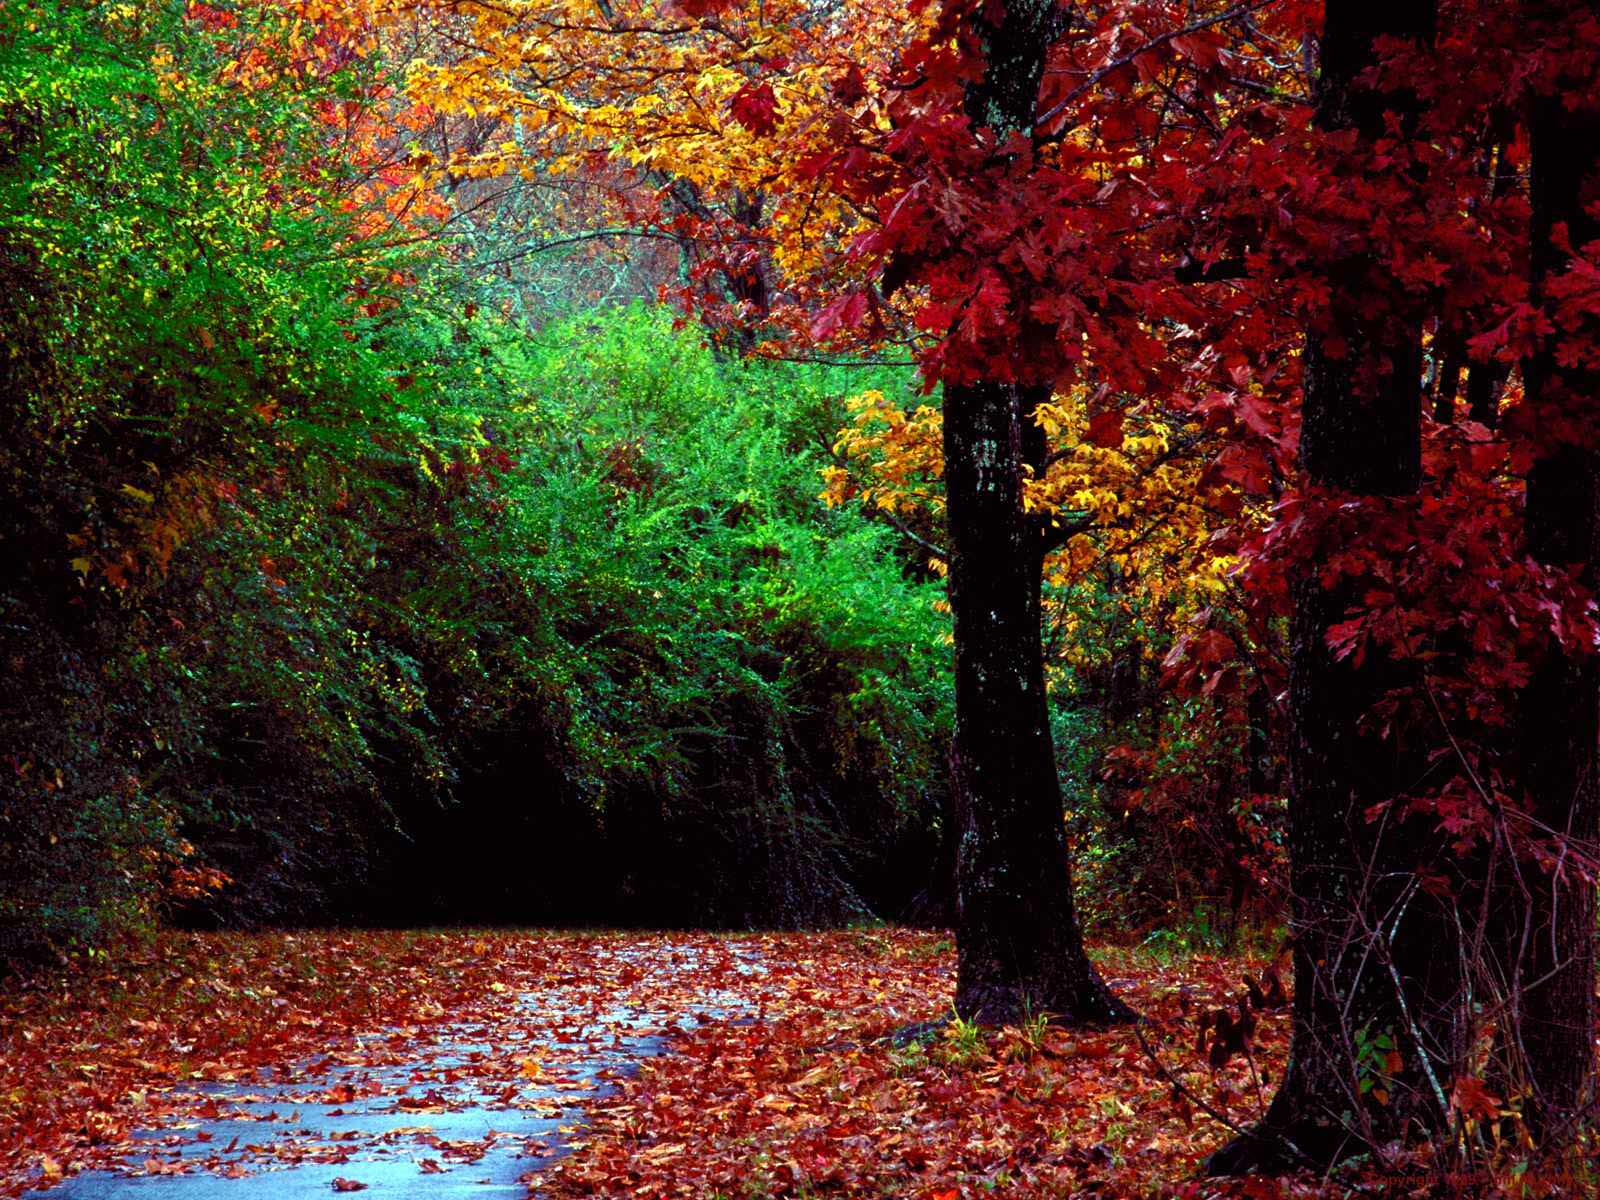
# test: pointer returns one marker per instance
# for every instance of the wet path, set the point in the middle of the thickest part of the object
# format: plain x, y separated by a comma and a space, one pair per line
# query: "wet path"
458, 1109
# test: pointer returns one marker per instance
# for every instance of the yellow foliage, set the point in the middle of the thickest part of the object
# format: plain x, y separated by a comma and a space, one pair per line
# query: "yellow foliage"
906, 452
551, 84
1146, 520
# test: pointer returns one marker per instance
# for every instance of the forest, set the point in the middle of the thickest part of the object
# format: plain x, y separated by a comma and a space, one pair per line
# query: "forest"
800, 598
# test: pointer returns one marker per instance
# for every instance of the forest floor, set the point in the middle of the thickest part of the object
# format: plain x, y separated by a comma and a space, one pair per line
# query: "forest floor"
648, 1065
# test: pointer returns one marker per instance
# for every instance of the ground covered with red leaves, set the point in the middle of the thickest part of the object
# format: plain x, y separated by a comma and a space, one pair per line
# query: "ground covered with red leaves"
860, 1084
814, 1064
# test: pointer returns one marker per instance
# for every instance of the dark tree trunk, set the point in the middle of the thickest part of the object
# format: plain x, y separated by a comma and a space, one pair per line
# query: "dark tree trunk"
1449, 384
1485, 382
1560, 730
751, 284
1258, 741
1559, 735
1021, 952
1369, 962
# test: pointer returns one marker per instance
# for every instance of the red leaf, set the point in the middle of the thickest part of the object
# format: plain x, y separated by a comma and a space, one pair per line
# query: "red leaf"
756, 108
1105, 429
699, 9
850, 87
1473, 1100
844, 313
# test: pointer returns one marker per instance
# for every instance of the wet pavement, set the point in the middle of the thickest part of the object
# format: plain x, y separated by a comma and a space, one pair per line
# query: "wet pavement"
405, 1114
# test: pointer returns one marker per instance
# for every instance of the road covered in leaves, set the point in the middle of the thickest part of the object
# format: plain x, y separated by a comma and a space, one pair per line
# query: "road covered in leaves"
660, 1065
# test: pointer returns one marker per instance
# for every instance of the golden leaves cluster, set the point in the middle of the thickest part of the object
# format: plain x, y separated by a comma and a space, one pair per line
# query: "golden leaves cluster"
1144, 515
650, 87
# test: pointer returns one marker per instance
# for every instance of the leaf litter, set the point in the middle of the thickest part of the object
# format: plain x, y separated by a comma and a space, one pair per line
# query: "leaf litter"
795, 1064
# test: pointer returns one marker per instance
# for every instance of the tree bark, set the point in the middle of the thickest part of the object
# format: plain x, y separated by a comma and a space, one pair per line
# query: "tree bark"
1485, 382
1372, 952
1560, 726
1020, 950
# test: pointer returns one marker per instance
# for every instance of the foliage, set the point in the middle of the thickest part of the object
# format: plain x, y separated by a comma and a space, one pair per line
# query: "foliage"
725, 670
704, 125
317, 567
1169, 815
174, 320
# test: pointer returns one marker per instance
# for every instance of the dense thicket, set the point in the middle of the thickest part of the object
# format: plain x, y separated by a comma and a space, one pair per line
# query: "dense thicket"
318, 575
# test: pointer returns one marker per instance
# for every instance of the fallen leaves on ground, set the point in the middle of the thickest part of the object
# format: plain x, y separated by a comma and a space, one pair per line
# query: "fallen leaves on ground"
88, 1059
801, 1065
857, 1085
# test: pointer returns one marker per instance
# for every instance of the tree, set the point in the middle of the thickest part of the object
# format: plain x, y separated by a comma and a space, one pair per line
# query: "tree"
1553, 1003
703, 125
649, 84
1130, 204
1020, 948
1373, 964
1140, 568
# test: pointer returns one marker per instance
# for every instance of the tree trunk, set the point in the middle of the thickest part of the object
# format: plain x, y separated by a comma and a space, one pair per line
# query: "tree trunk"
1449, 383
1258, 740
1371, 971
1560, 730
1020, 950
1487, 380
1019, 947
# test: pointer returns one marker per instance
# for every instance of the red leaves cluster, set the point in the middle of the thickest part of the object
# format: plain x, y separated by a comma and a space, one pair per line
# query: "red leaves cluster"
755, 106
1226, 1032
702, 9
1170, 226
